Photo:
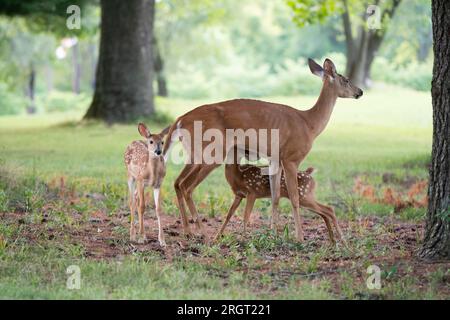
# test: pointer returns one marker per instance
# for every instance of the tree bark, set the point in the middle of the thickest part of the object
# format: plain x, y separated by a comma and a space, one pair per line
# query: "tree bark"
123, 86
436, 244
31, 85
158, 66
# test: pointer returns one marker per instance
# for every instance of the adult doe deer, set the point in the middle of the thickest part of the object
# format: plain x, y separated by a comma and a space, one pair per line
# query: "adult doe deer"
145, 166
297, 131
248, 182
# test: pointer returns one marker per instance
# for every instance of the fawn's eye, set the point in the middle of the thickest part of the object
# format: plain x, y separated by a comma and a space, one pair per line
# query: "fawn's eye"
162, 142
151, 141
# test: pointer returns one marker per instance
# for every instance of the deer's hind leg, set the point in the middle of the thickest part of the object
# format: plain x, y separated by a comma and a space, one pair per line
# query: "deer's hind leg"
188, 185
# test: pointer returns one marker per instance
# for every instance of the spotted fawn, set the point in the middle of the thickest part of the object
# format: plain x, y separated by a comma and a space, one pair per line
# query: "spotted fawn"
145, 167
247, 181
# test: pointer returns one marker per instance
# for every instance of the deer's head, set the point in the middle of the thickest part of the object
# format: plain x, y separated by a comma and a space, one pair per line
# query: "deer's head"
155, 142
328, 74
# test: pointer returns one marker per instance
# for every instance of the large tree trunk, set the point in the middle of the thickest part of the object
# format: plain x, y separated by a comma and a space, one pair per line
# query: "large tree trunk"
123, 88
361, 51
436, 245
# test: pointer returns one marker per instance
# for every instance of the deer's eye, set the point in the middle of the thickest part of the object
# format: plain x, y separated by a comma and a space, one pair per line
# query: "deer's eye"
162, 142
151, 141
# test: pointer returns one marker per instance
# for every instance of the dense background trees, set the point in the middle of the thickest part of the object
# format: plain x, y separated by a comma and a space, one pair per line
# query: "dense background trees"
363, 38
203, 49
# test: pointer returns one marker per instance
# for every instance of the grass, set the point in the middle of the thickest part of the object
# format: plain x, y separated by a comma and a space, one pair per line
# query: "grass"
388, 131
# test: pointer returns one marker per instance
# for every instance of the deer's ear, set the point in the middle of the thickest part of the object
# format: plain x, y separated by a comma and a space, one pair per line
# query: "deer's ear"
329, 67
315, 68
165, 131
142, 128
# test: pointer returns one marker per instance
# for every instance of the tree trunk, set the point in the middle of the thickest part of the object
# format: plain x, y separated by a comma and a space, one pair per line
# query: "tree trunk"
76, 77
31, 108
361, 51
123, 88
158, 66
436, 245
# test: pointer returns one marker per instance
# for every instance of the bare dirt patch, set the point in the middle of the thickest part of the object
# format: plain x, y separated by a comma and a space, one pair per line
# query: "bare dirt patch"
387, 242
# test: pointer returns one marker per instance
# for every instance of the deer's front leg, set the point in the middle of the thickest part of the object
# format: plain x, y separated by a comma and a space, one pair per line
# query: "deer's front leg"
161, 239
275, 187
290, 174
141, 209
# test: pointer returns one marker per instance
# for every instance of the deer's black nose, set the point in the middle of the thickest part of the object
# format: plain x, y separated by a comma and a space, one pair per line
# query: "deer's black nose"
359, 94
158, 152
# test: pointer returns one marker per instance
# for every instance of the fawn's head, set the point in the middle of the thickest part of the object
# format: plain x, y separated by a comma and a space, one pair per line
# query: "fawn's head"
343, 86
155, 142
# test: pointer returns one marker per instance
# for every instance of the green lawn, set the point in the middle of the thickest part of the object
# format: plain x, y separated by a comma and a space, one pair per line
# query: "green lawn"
388, 131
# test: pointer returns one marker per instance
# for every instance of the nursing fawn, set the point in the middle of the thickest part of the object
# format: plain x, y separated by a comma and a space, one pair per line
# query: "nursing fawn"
247, 181
145, 167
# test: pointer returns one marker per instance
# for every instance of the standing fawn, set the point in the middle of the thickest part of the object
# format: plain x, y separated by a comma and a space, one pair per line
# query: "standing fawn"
145, 167
246, 181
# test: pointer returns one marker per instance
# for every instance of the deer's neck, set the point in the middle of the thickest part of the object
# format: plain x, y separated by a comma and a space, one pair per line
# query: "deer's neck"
319, 115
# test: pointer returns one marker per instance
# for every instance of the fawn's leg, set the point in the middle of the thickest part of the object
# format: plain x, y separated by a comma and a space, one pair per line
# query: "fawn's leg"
141, 209
234, 206
248, 210
132, 204
332, 217
156, 193
290, 173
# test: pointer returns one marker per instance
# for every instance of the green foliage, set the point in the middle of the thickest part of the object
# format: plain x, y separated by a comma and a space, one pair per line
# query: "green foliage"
59, 101
313, 11
412, 75
10, 102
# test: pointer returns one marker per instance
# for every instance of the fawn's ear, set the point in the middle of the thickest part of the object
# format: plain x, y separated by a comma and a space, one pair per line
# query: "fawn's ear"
142, 128
315, 68
329, 67
165, 131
